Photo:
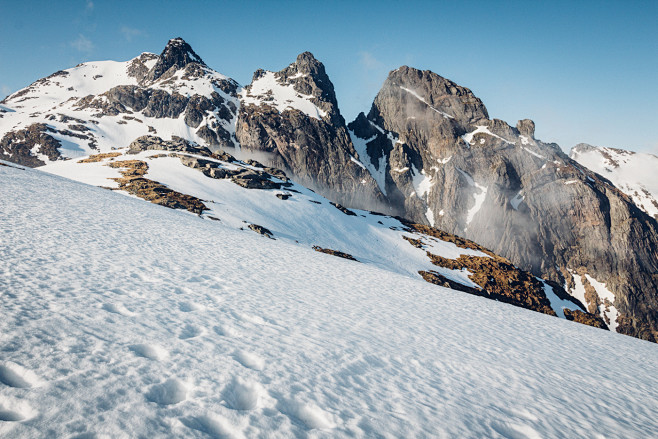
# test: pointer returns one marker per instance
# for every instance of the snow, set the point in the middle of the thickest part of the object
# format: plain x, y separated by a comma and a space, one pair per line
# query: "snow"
517, 199
556, 303
479, 195
35, 152
268, 90
341, 349
633, 173
579, 293
59, 95
377, 172
295, 220
422, 182
604, 294
430, 216
417, 96
444, 161
534, 153
357, 162
570, 182
468, 137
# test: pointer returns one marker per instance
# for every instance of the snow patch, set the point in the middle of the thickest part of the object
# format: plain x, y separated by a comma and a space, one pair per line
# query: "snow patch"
417, 96
268, 90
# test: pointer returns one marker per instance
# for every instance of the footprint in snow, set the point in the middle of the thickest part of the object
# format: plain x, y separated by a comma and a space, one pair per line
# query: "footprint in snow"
247, 359
190, 307
150, 351
214, 426
14, 410
242, 394
117, 308
14, 375
310, 415
169, 392
190, 331
225, 330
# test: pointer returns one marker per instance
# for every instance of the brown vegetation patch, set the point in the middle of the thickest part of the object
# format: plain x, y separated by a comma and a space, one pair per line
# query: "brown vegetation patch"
157, 193
584, 318
447, 237
334, 253
98, 157
500, 280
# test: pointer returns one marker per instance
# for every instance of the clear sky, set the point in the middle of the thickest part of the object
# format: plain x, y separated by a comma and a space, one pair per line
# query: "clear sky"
584, 71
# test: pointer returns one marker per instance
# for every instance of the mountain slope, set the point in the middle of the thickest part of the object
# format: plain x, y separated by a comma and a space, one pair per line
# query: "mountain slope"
427, 151
633, 173
445, 163
244, 195
159, 323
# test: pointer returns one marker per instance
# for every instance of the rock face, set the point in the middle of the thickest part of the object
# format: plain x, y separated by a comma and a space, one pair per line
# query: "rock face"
31, 146
176, 55
291, 120
632, 172
447, 164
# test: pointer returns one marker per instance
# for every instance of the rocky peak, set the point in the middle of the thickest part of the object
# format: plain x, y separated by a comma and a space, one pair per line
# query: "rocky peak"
177, 54
309, 77
526, 127
432, 96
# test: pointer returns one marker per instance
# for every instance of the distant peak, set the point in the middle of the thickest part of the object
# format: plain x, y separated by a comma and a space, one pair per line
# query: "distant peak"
306, 57
176, 53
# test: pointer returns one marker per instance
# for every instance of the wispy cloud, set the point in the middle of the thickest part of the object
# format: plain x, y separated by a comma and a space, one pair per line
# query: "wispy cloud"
129, 32
5, 90
89, 6
82, 44
369, 62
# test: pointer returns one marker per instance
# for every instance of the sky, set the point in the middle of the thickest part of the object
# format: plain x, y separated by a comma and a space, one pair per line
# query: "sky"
584, 71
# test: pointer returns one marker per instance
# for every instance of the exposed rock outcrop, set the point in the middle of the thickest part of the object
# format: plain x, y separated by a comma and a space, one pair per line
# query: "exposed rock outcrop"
30, 146
292, 117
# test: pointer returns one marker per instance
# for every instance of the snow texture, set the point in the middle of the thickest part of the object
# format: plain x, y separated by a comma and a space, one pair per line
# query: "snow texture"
342, 349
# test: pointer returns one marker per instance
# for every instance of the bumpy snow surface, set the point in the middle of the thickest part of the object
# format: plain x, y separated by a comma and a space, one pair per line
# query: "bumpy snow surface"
127, 319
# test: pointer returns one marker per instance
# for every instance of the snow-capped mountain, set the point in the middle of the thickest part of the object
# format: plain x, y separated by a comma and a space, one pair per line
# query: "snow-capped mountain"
97, 106
632, 172
427, 151
159, 323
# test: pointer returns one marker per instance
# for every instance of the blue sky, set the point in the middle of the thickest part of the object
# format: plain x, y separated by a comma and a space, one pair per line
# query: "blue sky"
583, 71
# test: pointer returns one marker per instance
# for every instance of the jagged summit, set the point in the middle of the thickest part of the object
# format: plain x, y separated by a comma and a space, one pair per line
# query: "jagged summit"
176, 53
431, 95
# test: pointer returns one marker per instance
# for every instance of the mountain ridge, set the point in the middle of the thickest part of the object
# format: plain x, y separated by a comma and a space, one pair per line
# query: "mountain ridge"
426, 151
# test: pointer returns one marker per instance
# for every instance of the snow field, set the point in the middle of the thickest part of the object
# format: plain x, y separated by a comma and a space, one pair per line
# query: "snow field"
340, 349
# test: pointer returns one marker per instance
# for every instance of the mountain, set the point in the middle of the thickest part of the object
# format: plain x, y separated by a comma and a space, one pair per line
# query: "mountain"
633, 173
159, 323
291, 119
97, 106
446, 163
427, 151
249, 195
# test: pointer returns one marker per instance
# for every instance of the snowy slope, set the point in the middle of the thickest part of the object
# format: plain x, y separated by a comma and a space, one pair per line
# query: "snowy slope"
305, 218
632, 172
73, 104
157, 323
